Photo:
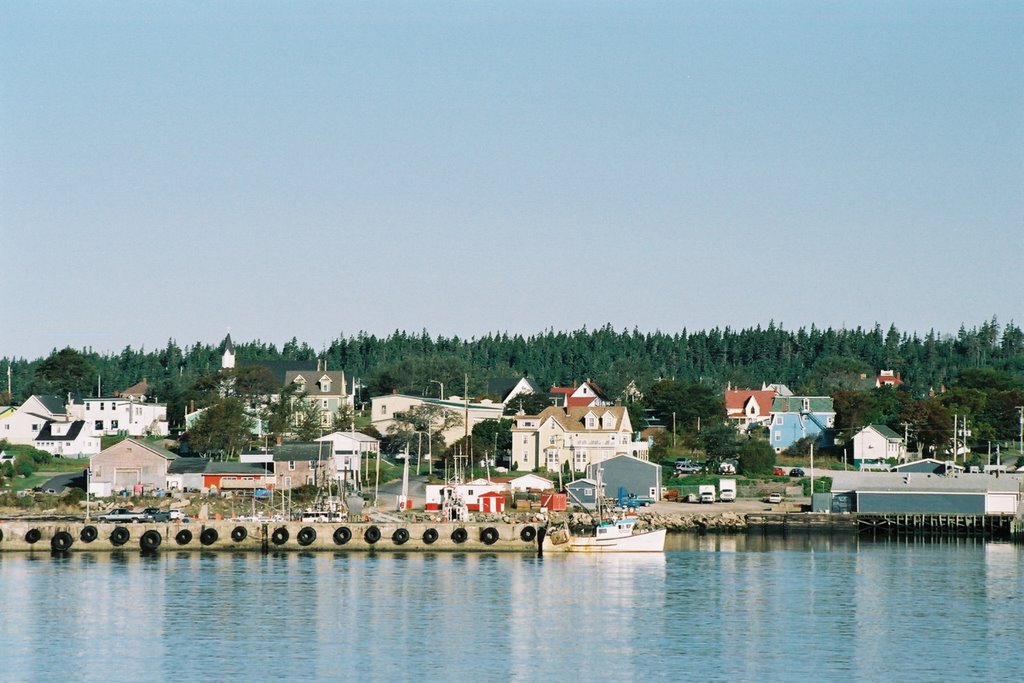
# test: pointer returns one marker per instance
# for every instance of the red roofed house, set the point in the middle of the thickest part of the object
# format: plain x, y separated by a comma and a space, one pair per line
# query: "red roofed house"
583, 396
888, 378
748, 407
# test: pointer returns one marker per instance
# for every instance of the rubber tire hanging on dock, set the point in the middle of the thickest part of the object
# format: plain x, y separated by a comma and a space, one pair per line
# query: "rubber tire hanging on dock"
183, 537
239, 534
33, 535
489, 535
280, 536
400, 536
151, 540
209, 536
460, 535
88, 534
306, 535
342, 535
61, 542
372, 535
528, 533
119, 536
429, 536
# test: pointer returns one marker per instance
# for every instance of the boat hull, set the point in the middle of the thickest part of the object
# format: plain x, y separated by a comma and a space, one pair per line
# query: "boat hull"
643, 542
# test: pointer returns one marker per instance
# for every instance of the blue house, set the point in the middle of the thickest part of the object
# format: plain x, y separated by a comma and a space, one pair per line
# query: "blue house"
795, 417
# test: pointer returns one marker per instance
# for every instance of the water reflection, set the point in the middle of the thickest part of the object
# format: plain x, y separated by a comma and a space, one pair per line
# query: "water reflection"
861, 608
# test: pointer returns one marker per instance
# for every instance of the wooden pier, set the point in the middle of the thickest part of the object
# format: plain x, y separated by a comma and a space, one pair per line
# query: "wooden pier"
984, 526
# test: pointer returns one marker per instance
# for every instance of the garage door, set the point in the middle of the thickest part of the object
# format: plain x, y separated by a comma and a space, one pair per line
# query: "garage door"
126, 479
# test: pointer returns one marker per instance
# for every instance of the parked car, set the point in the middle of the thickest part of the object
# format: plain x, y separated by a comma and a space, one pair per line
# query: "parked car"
157, 515
122, 515
727, 468
689, 468
178, 516
774, 498
779, 472
796, 472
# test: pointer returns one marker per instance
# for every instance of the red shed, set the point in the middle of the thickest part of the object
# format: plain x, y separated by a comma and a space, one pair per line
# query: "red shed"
556, 502
492, 501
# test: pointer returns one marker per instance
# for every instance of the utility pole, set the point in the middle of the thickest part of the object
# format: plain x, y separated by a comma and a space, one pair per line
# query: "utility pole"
1020, 409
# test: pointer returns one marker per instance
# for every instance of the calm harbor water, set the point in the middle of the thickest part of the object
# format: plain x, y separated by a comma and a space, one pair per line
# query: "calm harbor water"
713, 608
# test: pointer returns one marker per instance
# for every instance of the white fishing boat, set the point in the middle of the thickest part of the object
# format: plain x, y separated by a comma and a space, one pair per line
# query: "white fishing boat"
616, 535
611, 536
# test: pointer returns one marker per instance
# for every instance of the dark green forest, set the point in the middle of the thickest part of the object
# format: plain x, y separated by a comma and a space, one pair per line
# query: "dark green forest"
988, 358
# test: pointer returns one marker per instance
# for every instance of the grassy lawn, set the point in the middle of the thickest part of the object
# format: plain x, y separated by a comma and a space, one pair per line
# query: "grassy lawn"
19, 484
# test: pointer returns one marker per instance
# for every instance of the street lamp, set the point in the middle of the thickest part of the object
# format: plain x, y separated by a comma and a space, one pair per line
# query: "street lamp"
441, 384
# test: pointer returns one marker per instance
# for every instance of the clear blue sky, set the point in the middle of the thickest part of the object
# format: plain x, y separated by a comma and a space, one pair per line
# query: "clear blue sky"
312, 169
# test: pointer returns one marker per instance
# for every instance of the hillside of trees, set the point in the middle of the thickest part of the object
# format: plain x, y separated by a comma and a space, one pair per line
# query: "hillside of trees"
977, 371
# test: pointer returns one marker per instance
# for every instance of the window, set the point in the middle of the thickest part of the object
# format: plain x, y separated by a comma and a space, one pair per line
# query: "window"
291, 465
778, 436
103, 406
552, 459
113, 424
588, 492
591, 423
551, 439
581, 458
98, 425
778, 419
806, 404
383, 409
88, 406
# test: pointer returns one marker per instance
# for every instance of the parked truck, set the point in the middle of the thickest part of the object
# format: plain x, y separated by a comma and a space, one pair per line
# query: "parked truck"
706, 492
727, 490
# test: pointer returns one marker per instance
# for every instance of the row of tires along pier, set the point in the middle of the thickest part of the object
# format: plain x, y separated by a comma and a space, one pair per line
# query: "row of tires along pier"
263, 536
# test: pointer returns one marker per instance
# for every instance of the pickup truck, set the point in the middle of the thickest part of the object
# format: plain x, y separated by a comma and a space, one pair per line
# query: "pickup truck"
157, 515
123, 515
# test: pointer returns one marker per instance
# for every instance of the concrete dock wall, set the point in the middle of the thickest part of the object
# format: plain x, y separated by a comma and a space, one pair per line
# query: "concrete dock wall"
27, 536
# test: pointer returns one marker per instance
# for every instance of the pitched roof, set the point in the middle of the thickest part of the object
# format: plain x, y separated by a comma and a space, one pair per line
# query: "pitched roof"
301, 450
311, 380
137, 389
571, 419
502, 386
736, 400
795, 404
188, 465
231, 467
909, 482
46, 434
885, 431
52, 403
153, 448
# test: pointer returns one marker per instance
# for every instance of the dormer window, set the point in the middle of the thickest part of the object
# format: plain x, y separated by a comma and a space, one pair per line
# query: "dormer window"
591, 423
325, 384
807, 405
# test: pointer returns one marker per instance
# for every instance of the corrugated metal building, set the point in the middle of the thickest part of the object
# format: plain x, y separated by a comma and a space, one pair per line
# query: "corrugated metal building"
924, 493
640, 478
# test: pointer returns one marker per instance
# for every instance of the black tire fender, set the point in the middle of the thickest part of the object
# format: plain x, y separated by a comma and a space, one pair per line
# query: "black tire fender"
61, 541
429, 536
342, 535
280, 536
88, 534
239, 534
400, 536
306, 535
119, 536
489, 535
460, 535
528, 533
371, 535
151, 540
209, 536
183, 537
